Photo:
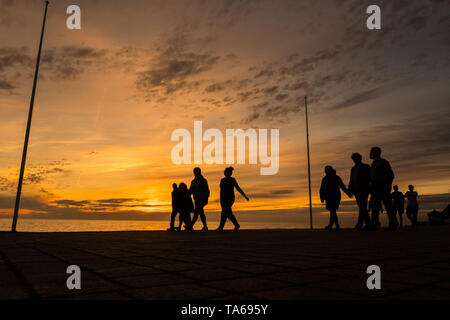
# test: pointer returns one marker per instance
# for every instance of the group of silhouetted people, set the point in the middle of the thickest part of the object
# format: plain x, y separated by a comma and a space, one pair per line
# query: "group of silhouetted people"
371, 186
366, 181
183, 205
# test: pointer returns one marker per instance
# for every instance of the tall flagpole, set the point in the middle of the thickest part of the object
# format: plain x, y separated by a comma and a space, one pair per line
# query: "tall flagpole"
27, 134
309, 165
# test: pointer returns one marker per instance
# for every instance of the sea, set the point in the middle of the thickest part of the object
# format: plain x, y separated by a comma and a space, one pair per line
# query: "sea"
249, 221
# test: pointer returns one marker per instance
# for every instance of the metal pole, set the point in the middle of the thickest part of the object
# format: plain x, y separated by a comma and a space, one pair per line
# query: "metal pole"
27, 134
309, 165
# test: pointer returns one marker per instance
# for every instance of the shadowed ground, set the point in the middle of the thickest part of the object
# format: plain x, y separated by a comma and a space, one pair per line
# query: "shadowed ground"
262, 264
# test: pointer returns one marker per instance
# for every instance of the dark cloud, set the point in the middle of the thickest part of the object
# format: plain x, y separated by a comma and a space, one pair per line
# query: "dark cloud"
218, 86
115, 201
6, 85
69, 62
271, 90
7, 185
105, 205
173, 72
14, 57
40, 174
273, 194
309, 63
59, 63
268, 112
264, 73
72, 203
281, 97
368, 95
174, 67
6, 3
70, 209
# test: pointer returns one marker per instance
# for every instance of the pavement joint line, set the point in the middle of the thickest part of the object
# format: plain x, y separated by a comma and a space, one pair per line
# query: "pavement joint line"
85, 269
22, 279
163, 271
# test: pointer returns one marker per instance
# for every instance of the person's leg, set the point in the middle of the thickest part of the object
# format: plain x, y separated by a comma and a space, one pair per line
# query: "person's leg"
409, 214
359, 224
366, 218
335, 219
415, 214
375, 210
180, 218
400, 217
233, 219
172, 219
375, 215
330, 224
387, 202
194, 218
363, 217
187, 220
202, 216
223, 217
394, 213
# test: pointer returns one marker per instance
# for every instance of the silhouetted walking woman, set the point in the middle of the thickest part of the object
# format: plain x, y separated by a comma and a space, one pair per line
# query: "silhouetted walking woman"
331, 194
227, 186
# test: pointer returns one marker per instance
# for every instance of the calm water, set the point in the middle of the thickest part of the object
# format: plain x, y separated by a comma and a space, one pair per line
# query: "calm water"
247, 221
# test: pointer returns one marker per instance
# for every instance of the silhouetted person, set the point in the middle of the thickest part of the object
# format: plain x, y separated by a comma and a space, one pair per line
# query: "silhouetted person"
200, 190
359, 186
331, 194
175, 208
412, 207
186, 206
227, 186
398, 203
381, 177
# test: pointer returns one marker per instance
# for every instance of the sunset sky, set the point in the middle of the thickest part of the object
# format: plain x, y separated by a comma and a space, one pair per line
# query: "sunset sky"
110, 95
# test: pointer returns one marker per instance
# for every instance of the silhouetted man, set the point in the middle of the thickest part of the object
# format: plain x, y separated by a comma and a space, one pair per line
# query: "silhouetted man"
359, 186
381, 177
200, 190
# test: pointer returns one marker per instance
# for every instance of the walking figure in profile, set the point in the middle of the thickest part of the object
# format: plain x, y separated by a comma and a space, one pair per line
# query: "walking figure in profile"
398, 203
381, 177
331, 194
412, 207
186, 206
176, 201
200, 191
227, 198
359, 186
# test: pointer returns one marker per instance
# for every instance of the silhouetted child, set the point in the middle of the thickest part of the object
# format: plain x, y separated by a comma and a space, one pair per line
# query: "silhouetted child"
175, 208
331, 194
186, 206
398, 202
412, 207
